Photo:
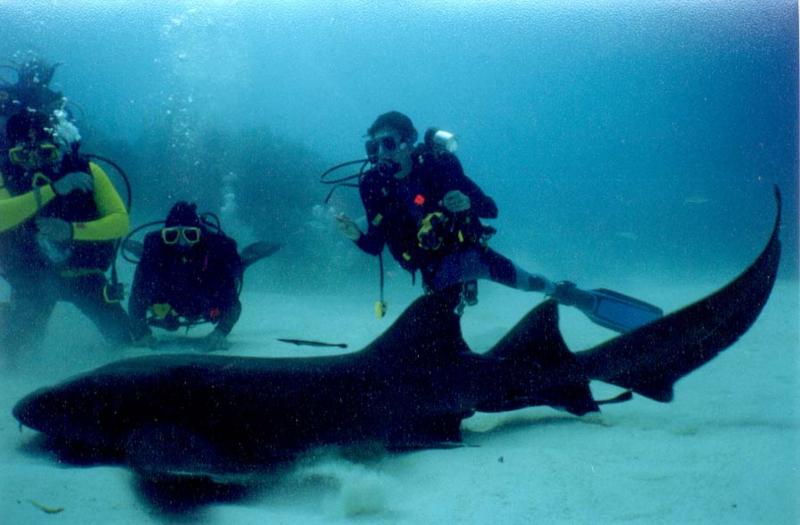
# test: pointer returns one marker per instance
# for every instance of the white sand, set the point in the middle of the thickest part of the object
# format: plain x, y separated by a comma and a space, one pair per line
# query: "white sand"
725, 451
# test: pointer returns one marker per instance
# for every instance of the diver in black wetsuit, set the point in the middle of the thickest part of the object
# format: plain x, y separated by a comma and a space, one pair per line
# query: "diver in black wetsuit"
419, 203
188, 274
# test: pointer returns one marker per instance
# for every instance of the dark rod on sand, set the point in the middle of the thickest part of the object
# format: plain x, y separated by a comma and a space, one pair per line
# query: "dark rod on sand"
305, 342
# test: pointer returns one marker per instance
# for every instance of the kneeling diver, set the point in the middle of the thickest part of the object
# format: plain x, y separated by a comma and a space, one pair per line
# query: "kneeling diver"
189, 273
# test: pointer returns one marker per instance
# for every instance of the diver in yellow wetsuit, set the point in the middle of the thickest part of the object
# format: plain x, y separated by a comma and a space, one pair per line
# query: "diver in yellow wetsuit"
59, 218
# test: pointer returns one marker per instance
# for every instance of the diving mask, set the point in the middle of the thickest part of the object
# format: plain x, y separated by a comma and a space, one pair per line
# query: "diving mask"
173, 234
373, 146
34, 156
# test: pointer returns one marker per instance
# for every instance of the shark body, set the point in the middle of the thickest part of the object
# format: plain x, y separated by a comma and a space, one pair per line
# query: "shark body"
410, 388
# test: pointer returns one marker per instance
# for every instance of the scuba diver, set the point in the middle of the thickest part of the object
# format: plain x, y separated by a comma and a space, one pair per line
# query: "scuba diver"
419, 203
189, 273
59, 219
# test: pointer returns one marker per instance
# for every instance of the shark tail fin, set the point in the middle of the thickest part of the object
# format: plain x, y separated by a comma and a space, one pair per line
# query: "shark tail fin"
651, 359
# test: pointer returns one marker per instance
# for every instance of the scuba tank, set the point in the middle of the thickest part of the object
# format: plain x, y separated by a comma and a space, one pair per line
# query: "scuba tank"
440, 141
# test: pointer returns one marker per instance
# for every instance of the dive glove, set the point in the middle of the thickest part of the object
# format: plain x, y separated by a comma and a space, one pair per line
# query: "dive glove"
75, 181
348, 227
455, 201
53, 229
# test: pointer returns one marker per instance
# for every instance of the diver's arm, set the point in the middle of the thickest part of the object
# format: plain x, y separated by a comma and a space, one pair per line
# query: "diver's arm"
144, 284
371, 242
480, 203
16, 210
483, 205
229, 315
230, 307
137, 307
113, 222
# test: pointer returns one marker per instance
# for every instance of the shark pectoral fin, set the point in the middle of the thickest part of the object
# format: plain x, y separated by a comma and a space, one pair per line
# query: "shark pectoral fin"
432, 431
627, 395
171, 450
575, 398
424, 445
661, 392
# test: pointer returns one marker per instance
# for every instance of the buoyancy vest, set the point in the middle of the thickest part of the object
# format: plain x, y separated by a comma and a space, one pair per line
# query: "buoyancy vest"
20, 252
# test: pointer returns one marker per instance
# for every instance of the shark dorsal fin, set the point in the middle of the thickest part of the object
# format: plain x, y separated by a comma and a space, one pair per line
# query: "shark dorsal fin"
429, 329
535, 337
535, 345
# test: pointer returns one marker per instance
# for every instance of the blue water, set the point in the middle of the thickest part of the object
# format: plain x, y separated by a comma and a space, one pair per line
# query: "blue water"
629, 145
619, 140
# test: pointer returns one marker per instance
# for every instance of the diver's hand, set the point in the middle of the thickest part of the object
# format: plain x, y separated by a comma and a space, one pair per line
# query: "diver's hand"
57, 230
75, 181
454, 201
214, 341
348, 227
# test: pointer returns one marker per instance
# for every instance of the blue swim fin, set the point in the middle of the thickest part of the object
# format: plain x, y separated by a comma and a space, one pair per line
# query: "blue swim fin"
619, 312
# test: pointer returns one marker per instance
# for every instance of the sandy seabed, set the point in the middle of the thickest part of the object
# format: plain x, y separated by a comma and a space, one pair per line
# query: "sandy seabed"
726, 450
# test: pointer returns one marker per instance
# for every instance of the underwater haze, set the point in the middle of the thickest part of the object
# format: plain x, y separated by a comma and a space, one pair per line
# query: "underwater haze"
618, 139
628, 145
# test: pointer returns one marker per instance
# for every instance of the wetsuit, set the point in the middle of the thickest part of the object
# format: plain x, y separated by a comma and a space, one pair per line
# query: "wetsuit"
41, 272
396, 210
199, 284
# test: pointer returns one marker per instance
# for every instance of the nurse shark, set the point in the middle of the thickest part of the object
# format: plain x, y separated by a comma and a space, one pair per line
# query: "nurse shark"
215, 415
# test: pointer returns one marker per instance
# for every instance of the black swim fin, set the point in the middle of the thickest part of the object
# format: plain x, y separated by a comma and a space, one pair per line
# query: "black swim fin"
618, 312
250, 254
258, 250
134, 247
